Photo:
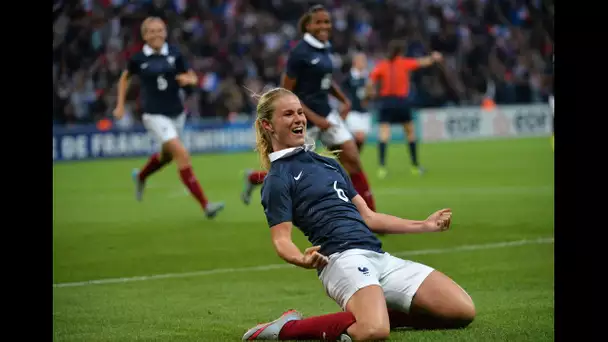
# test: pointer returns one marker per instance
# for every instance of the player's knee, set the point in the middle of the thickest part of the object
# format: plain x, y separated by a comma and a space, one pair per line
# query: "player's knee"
466, 314
462, 314
360, 137
410, 132
371, 332
178, 152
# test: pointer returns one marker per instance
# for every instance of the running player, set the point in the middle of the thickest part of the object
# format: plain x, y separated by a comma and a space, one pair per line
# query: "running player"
162, 70
393, 77
376, 290
359, 120
309, 75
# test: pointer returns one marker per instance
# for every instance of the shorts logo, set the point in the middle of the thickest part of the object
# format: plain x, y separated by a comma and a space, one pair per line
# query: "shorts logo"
363, 270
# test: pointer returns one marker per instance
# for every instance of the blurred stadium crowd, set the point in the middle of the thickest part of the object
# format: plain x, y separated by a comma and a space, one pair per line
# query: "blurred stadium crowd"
494, 48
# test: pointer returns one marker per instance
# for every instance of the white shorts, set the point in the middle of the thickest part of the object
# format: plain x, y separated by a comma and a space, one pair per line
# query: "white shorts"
359, 122
335, 135
354, 269
162, 127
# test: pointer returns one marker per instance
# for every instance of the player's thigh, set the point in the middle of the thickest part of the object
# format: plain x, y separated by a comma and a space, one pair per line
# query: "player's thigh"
160, 126
400, 280
440, 297
337, 134
415, 288
358, 122
179, 123
348, 272
351, 279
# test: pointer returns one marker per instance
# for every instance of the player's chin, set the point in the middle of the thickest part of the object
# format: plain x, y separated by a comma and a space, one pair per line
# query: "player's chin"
157, 42
297, 139
323, 35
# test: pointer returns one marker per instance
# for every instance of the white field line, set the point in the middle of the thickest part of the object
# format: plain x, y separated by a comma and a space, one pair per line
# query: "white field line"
462, 248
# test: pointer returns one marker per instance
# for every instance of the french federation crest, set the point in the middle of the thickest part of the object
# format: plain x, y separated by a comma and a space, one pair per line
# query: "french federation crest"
171, 60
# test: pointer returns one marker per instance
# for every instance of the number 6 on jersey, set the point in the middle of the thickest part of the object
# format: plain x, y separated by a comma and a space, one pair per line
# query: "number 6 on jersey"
161, 82
340, 192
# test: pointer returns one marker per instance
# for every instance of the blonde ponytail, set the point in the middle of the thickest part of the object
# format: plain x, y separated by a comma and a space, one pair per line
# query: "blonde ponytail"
262, 144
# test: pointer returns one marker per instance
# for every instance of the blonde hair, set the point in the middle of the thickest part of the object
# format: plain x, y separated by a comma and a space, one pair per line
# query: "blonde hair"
265, 110
146, 22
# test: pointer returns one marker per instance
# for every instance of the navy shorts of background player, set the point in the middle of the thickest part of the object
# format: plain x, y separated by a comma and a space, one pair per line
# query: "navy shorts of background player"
157, 72
394, 110
309, 62
313, 192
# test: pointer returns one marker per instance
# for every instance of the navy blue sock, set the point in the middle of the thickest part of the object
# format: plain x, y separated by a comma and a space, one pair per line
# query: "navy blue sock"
413, 155
382, 152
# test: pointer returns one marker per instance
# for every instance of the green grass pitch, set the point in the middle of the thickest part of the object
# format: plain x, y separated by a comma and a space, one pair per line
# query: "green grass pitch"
500, 247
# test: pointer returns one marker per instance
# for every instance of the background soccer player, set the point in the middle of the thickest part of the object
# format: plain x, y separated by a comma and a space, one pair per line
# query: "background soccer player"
162, 70
359, 120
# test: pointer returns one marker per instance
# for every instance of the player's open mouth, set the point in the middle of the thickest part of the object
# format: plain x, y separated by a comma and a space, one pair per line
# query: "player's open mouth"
298, 130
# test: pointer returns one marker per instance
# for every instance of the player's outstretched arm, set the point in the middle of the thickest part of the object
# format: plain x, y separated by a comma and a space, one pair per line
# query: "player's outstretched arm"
388, 224
288, 251
429, 60
123, 85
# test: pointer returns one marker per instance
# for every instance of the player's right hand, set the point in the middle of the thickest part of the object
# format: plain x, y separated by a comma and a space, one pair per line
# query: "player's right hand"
118, 112
314, 259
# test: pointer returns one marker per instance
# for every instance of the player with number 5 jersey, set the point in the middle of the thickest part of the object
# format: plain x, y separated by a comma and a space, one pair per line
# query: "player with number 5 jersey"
308, 74
162, 72
376, 290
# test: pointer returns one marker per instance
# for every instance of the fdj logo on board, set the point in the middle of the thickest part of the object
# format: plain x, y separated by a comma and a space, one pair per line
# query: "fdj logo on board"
463, 125
531, 121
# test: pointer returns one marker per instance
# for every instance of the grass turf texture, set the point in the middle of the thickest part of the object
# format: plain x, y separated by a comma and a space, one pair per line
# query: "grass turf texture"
499, 190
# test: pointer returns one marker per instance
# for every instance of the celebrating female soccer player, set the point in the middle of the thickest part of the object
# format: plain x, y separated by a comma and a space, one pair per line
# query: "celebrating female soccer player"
393, 76
376, 290
162, 70
309, 75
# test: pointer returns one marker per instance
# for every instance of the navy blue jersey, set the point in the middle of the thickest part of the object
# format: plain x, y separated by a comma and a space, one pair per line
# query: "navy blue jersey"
315, 194
157, 72
354, 87
309, 63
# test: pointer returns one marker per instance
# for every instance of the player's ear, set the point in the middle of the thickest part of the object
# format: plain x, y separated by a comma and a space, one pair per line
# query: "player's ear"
267, 125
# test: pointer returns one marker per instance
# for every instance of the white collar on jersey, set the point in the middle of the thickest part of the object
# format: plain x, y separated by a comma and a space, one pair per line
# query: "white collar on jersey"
356, 74
149, 51
314, 42
289, 152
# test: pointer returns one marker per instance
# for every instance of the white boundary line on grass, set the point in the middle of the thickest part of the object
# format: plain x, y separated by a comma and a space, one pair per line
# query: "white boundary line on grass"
462, 248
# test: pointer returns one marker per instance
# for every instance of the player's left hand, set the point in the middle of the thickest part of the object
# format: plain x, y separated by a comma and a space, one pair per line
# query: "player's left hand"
345, 109
439, 221
186, 79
